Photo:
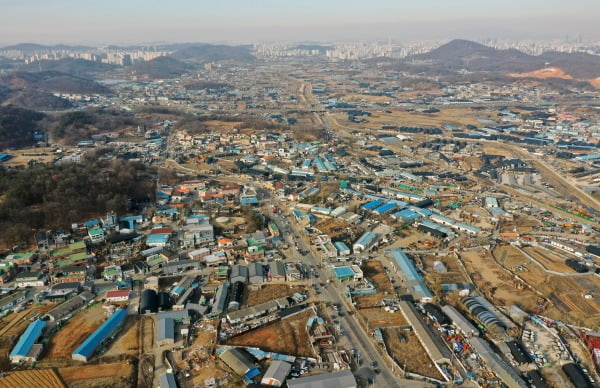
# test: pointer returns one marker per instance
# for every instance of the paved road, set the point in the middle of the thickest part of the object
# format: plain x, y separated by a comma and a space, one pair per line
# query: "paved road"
354, 333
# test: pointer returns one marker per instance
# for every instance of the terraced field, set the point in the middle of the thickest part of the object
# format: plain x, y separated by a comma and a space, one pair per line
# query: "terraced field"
32, 378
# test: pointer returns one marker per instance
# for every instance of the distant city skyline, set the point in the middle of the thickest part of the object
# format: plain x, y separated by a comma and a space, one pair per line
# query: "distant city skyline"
238, 21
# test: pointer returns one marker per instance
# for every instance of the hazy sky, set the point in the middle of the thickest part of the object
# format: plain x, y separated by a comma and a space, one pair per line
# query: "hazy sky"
246, 21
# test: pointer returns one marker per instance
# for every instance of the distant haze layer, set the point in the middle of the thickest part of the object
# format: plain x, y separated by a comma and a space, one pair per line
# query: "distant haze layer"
242, 21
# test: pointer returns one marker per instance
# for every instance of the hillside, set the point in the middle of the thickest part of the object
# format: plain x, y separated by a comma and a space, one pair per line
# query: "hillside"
160, 68
212, 53
51, 81
36, 99
80, 125
463, 54
17, 126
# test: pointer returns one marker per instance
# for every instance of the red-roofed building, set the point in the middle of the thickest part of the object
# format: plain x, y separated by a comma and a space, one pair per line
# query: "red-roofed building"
117, 296
164, 230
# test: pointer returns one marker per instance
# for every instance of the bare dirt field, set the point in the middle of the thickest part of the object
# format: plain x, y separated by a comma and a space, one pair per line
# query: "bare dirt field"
269, 337
566, 293
409, 355
127, 342
374, 271
378, 317
77, 329
101, 375
496, 283
31, 378
22, 157
549, 260
14, 324
269, 292
336, 228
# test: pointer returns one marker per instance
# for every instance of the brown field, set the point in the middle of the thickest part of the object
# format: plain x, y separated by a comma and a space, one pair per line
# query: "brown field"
496, 284
14, 324
147, 333
458, 116
127, 342
269, 337
367, 98
334, 228
74, 333
22, 157
565, 292
101, 375
31, 378
409, 355
378, 317
374, 271
222, 125
549, 260
269, 292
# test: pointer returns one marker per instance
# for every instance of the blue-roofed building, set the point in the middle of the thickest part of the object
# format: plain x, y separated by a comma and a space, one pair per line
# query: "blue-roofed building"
365, 242
412, 278
249, 201
26, 349
158, 240
102, 335
406, 215
4, 157
342, 248
343, 273
588, 157
91, 224
384, 209
372, 205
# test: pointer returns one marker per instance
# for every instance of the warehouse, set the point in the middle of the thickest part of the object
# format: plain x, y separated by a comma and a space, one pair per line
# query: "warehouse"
65, 309
167, 381
27, 349
239, 273
459, 321
276, 374
104, 333
220, 300
411, 276
500, 368
165, 331
148, 302
175, 267
342, 379
342, 248
432, 344
256, 273
365, 242
576, 376
237, 293
241, 362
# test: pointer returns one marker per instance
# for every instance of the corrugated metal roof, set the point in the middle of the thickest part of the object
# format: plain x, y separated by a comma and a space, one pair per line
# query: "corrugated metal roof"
31, 334
87, 348
165, 329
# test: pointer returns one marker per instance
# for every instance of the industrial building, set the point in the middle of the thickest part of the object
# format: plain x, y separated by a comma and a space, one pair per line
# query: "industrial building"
27, 349
432, 344
459, 321
220, 300
148, 302
103, 334
65, 309
505, 372
241, 362
165, 331
237, 293
411, 276
239, 273
487, 318
276, 373
256, 273
342, 379
365, 242
174, 267
167, 381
